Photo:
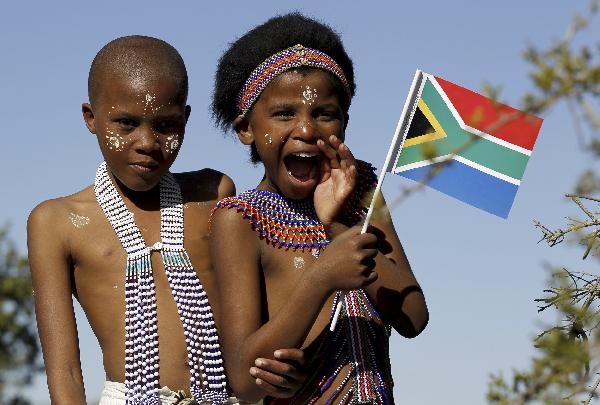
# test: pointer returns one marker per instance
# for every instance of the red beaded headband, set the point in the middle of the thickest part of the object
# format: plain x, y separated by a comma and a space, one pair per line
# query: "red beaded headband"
282, 61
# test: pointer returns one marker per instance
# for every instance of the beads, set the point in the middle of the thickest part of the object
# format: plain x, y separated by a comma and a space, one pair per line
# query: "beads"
283, 222
141, 321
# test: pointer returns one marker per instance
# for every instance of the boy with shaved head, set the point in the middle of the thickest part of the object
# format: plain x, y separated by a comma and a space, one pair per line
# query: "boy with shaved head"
132, 248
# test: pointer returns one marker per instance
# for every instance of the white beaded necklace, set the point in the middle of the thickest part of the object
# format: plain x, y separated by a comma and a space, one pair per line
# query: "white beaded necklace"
207, 375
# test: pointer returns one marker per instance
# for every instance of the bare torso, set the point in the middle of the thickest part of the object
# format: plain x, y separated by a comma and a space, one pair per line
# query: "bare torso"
97, 263
282, 270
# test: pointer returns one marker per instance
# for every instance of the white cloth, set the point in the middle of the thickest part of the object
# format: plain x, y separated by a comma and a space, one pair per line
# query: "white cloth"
114, 394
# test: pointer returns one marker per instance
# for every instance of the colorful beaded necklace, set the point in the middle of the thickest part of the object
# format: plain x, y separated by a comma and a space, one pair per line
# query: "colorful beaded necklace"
207, 376
359, 344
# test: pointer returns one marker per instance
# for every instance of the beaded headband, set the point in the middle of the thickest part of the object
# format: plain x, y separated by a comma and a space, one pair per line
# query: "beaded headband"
280, 62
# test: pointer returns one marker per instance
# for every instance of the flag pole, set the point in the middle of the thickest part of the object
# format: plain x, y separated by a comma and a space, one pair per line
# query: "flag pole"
395, 148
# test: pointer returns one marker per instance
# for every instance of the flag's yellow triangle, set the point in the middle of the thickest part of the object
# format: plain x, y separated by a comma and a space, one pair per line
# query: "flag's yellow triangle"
429, 132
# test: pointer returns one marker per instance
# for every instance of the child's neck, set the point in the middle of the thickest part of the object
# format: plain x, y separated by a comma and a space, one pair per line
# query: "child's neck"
144, 200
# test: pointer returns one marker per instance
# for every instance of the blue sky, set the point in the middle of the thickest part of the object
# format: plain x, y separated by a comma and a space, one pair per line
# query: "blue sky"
480, 273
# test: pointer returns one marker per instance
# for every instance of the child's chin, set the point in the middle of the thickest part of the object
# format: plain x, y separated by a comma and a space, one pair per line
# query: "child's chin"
299, 190
140, 184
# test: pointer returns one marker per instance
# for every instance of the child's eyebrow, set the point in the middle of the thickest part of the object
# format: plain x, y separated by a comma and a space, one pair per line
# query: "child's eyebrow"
170, 116
282, 105
325, 106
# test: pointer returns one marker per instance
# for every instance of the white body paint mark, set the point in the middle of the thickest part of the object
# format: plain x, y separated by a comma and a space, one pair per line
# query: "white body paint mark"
78, 221
298, 262
172, 143
309, 95
115, 141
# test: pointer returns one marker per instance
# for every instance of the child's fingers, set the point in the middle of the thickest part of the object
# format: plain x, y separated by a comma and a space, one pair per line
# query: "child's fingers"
273, 390
345, 153
371, 278
285, 371
330, 153
294, 355
325, 170
335, 142
272, 379
273, 385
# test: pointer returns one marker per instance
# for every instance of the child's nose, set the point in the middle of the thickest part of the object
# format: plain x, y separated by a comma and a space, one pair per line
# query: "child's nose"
147, 140
307, 131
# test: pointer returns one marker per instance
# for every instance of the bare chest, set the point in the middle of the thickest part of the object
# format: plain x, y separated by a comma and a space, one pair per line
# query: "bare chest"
282, 270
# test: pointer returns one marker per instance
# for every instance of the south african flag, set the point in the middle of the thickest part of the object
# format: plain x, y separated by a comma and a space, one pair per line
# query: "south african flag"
464, 144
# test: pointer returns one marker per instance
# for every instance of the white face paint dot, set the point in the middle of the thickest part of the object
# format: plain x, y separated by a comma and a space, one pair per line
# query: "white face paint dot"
78, 221
172, 143
149, 99
298, 262
309, 95
115, 141
268, 139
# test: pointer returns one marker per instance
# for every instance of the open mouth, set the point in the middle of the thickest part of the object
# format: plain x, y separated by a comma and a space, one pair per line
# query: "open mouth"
302, 166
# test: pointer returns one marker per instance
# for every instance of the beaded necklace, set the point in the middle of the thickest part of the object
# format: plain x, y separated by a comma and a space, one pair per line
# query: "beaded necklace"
358, 346
207, 378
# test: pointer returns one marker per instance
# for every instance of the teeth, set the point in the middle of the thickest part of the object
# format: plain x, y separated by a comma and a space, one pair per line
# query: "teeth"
305, 154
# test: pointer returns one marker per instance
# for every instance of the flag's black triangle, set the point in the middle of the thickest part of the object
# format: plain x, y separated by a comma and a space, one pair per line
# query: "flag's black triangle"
419, 125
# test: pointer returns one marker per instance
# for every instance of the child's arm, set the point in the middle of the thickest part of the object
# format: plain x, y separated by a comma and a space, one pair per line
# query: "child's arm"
281, 374
50, 265
396, 293
235, 252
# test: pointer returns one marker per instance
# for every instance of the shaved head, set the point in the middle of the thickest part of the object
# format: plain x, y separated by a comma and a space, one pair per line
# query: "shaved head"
138, 60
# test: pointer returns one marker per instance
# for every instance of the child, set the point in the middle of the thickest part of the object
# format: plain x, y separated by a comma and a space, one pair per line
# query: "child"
285, 87
122, 247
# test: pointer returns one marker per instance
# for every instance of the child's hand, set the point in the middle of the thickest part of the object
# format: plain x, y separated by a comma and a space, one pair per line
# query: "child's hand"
348, 262
338, 179
280, 378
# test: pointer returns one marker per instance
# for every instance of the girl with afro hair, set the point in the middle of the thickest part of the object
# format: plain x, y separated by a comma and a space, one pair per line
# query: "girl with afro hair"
286, 253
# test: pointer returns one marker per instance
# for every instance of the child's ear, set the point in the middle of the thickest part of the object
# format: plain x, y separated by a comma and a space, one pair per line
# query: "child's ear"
244, 130
188, 110
88, 117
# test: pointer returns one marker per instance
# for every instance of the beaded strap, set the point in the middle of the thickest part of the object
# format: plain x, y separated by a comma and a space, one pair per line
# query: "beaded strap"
207, 377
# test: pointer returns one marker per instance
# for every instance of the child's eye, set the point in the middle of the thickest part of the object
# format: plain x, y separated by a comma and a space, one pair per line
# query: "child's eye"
166, 126
283, 113
327, 115
126, 123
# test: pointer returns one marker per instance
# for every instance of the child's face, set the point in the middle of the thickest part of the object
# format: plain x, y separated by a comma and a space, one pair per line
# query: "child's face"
140, 128
292, 113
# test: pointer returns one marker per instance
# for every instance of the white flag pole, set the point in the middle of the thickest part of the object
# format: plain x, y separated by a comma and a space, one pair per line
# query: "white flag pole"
395, 147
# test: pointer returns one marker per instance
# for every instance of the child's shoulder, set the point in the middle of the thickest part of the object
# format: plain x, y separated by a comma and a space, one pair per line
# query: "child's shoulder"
54, 221
205, 185
234, 215
52, 210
